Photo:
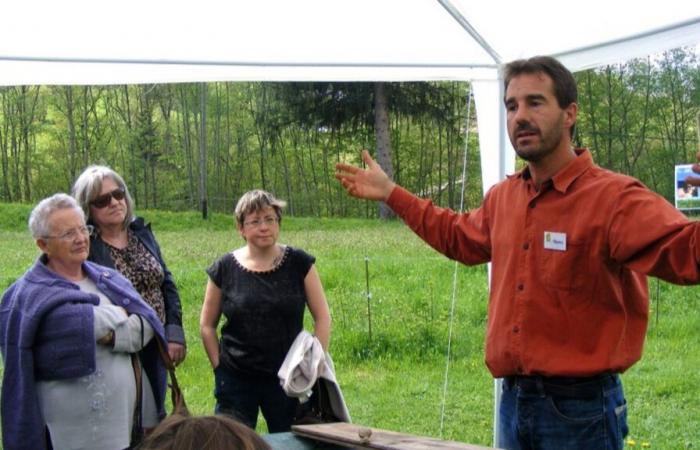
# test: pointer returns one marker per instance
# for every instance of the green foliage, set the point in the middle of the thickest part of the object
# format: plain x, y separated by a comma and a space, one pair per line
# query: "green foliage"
15, 217
282, 137
639, 117
394, 380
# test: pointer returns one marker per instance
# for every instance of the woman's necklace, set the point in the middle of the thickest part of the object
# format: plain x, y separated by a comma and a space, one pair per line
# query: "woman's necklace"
278, 257
261, 264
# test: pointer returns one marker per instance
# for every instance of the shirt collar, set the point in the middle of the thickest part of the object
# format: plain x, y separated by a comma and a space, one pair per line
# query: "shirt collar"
563, 179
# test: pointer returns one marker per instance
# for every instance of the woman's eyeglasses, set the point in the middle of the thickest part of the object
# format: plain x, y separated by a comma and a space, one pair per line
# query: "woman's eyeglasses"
268, 221
71, 235
104, 200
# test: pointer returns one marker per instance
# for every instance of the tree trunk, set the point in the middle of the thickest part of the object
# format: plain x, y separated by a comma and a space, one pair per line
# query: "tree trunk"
203, 149
6, 193
28, 104
72, 138
129, 121
225, 191
216, 150
187, 142
291, 201
166, 108
383, 136
699, 132
85, 128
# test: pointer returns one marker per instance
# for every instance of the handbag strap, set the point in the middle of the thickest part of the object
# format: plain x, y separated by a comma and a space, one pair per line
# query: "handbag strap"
176, 396
138, 378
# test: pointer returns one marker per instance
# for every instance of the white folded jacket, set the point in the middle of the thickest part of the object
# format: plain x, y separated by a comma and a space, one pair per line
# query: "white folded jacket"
306, 363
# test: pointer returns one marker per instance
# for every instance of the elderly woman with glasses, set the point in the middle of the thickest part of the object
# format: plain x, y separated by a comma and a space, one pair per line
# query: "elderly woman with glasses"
127, 244
262, 290
68, 329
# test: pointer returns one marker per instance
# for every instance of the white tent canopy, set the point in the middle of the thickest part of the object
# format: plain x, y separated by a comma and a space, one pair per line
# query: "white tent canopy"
87, 42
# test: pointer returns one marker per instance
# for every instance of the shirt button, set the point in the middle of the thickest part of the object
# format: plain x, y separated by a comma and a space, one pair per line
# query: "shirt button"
519, 369
532, 205
521, 287
126, 301
105, 274
526, 246
516, 329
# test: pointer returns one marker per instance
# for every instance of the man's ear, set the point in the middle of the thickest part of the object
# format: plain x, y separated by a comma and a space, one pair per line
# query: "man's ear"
570, 114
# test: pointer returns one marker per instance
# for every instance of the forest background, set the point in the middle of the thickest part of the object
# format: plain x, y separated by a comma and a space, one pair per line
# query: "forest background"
200, 146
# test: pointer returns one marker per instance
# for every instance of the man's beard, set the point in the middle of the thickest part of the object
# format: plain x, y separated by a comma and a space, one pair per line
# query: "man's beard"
549, 141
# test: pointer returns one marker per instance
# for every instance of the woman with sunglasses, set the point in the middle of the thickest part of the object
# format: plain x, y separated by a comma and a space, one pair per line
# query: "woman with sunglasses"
126, 243
262, 289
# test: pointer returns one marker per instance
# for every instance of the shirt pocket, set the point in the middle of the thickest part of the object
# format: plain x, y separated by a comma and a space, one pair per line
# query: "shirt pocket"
567, 270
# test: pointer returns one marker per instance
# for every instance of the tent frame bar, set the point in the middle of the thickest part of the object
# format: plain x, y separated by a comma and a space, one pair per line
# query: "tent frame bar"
630, 38
185, 62
464, 23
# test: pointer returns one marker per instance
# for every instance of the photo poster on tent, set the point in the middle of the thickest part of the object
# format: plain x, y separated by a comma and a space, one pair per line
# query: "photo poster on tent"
687, 196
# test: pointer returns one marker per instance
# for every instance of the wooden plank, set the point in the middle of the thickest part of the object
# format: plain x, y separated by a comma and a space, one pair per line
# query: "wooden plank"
357, 436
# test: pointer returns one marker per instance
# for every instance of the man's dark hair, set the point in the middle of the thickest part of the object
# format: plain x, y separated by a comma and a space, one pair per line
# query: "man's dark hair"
565, 89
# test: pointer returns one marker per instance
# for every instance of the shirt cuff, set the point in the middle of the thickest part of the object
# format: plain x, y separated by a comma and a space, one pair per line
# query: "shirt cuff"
399, 200
175, 334
107, 318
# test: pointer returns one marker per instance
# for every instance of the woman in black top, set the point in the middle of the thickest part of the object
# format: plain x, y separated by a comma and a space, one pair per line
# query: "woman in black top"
261, 289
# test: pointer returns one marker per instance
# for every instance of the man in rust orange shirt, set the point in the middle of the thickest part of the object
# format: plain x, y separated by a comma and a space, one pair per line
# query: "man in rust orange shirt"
571, 245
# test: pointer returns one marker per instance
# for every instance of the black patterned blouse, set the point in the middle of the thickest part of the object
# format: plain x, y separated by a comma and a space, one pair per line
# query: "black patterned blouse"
137, 264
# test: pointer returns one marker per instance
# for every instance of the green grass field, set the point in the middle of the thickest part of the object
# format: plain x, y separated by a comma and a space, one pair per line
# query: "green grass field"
394, 379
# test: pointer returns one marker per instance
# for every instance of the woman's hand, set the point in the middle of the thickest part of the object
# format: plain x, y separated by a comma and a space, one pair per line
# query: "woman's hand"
107, 340
177, 352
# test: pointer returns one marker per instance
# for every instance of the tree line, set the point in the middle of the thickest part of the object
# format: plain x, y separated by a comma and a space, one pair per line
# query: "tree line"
200, 146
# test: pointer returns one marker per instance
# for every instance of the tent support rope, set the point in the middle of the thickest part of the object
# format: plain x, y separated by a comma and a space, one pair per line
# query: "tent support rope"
456, 266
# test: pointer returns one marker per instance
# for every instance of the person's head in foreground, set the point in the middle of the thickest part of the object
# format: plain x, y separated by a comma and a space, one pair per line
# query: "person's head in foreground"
203, 433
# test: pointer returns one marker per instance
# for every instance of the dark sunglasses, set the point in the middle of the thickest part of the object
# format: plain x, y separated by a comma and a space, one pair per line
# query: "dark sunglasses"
105, 199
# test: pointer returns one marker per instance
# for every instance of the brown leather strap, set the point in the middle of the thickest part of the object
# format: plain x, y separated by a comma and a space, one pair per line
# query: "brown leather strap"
179, 405
138, 378
136, 364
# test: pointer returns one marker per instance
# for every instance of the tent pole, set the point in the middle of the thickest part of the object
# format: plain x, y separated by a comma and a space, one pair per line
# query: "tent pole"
497, 382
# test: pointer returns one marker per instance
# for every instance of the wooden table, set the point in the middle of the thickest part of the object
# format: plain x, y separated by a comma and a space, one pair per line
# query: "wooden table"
356, 436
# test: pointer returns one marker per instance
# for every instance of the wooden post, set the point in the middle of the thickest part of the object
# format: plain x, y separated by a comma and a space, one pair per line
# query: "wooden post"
369, 297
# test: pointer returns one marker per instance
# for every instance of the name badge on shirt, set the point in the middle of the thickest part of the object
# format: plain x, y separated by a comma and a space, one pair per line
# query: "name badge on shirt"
555, 241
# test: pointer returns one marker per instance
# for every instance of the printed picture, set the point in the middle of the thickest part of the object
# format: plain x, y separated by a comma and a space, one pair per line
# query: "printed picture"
687, 196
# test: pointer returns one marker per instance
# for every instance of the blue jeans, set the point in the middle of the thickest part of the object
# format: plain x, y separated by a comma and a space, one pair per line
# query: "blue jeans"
240, 395
539, 413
